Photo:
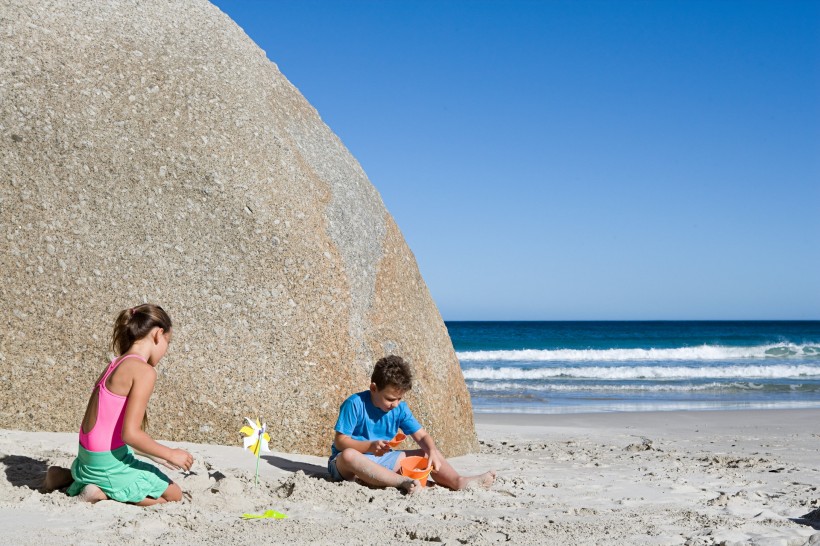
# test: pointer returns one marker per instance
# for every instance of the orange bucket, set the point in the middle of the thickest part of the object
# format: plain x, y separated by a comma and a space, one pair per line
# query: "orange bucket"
416, 468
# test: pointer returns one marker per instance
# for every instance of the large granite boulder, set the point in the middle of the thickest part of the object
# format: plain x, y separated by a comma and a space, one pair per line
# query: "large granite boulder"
149, 151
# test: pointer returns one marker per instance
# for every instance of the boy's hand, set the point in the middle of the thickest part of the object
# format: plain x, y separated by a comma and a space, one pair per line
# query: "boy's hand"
436, 459
379, 447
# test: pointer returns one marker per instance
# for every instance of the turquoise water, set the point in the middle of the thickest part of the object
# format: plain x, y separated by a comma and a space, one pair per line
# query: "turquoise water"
570, 367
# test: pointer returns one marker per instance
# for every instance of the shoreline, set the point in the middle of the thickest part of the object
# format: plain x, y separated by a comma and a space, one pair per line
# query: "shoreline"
697, 478
726, 416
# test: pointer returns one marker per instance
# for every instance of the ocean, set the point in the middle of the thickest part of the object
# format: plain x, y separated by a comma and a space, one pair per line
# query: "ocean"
581, 367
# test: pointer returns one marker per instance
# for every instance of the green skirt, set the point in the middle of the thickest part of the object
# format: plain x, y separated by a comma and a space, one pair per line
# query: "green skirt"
118, 473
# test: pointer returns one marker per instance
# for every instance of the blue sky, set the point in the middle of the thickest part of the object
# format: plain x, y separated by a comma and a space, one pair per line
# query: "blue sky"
578, 160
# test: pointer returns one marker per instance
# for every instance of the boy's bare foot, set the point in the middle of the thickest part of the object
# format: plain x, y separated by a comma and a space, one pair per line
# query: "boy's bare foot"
91, 493
410, 487
482, 480
56, 477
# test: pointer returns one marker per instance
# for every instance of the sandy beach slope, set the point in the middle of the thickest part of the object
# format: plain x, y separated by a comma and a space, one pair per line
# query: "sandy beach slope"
623, 478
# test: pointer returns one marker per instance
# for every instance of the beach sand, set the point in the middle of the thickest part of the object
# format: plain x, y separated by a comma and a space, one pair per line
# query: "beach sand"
729, 477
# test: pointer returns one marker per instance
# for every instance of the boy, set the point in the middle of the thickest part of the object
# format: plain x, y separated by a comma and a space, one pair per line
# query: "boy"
369, 419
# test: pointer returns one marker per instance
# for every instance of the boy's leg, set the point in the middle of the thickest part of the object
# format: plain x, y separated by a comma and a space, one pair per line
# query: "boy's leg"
351, 463
449, 477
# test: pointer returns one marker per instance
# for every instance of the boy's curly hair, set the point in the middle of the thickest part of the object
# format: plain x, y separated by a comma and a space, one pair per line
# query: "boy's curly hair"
394, 371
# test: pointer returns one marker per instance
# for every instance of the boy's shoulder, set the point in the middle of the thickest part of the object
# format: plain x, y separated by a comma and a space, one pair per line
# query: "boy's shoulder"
364, 395
364, 400
357, 398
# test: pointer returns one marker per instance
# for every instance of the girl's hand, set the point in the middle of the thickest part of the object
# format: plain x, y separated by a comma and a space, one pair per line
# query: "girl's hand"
161, 461
181, 459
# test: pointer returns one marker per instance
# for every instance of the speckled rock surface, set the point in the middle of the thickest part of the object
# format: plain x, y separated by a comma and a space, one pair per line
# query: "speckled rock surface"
150, 152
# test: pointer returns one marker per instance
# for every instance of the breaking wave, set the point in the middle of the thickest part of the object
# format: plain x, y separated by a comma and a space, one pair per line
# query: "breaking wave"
643, 372
702, 352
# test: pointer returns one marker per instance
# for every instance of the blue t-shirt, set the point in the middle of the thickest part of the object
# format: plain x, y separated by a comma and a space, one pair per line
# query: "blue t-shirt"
361, 420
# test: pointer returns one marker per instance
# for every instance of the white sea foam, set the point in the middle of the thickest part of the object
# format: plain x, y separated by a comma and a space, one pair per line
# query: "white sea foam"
702, 352
599, 406
510, 386
645, 372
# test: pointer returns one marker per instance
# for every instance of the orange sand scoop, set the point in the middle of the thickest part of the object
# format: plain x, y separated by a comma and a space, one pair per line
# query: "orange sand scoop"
397, 439
417, 468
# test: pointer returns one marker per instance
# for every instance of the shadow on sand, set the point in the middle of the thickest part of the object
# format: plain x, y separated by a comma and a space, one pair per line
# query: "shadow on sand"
812, 519
312, 470
22, 471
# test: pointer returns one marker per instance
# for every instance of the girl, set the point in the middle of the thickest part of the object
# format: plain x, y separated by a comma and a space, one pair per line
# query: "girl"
105, 467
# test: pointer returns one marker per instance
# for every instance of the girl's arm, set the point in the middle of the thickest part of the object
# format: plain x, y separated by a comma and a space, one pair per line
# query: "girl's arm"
377, 447
158, 460
132, 434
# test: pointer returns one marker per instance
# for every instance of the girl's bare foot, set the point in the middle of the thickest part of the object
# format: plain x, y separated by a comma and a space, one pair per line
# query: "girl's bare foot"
410, 487
56, 477
483, 480
91, 493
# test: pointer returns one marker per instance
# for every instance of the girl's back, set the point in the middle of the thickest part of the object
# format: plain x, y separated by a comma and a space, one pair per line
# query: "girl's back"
101, 428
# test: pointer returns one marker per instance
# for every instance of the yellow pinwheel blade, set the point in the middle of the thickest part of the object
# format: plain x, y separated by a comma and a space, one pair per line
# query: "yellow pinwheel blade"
254, 448
246, 431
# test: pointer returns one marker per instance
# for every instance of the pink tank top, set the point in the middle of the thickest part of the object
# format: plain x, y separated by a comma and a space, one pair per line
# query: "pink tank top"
106, 434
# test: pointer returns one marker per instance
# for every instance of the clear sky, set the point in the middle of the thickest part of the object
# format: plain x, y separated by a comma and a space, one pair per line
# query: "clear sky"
578, 160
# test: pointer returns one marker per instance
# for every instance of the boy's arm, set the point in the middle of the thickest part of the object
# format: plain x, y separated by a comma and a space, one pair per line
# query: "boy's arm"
377, 447
425, 442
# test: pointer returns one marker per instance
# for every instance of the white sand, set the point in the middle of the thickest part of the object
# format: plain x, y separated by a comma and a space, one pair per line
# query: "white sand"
633, 478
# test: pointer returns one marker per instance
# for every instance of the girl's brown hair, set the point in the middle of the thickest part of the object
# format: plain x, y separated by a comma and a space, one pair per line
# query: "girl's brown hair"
135, 323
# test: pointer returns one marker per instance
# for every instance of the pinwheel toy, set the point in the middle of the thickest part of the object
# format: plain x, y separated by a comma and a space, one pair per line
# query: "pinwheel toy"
256, 440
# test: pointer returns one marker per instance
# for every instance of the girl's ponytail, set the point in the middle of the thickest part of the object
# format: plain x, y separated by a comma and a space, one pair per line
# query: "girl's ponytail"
135, 323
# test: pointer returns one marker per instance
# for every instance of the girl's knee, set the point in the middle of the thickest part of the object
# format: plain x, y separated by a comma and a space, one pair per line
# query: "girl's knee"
173, 493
